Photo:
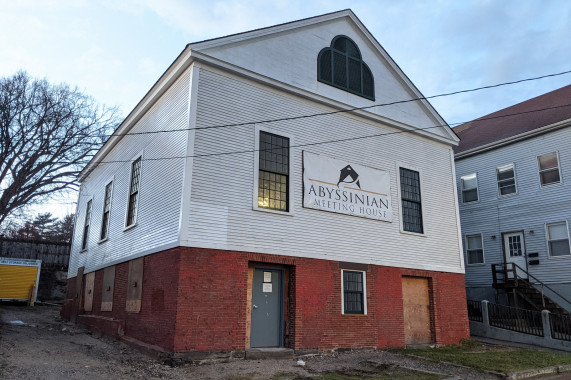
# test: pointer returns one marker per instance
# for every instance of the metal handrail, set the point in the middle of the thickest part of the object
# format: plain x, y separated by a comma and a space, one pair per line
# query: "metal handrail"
514, 269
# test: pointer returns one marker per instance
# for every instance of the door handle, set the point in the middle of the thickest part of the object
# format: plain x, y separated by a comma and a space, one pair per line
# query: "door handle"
254, 306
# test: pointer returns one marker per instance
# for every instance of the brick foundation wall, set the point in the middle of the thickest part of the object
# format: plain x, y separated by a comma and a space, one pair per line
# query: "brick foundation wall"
196, 300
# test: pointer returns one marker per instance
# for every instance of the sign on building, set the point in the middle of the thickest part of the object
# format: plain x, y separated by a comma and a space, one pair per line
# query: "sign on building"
346, 188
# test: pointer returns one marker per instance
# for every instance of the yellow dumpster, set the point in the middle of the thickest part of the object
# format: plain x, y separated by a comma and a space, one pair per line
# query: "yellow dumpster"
19, 277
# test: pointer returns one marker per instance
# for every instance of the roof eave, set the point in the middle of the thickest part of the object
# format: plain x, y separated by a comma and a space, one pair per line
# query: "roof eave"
513, 139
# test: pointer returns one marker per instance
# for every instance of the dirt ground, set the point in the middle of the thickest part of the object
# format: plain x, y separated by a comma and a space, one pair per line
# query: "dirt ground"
35, 343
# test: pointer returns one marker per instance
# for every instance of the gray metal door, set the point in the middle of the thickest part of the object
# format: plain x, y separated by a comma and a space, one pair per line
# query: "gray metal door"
267, 308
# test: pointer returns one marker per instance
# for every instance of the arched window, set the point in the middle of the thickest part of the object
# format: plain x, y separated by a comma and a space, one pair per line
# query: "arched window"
340, 65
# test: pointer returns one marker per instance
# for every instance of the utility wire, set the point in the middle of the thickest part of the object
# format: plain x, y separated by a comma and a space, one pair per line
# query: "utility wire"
344, 110
332, 141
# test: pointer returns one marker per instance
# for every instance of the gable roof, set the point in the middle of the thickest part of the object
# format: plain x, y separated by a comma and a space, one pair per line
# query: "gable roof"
195, 52
513, 123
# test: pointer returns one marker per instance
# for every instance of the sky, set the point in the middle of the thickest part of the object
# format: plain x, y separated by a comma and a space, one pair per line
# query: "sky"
116, 50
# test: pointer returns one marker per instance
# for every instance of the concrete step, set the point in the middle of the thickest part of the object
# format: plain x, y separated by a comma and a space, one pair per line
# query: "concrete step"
269, 353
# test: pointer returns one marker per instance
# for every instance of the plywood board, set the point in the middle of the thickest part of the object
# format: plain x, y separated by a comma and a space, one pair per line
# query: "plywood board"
78, 294
108, 288
416, 305
249, 306
135, 286
89, 288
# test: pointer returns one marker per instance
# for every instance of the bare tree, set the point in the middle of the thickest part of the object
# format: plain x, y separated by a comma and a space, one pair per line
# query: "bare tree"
48, 133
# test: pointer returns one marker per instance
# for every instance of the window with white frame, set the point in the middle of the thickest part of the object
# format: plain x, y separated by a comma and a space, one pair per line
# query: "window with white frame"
273, 172
474, 249
558, 239
469, 188
548, 168
106, 211
86, 225
506, 179
133, 192
411, 201
354, 292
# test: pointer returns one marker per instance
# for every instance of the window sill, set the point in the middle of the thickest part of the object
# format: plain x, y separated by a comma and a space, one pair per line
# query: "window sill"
102, 240
83, 250
548, 185
413, 233
268, 210
558, 257
476, 265
354, 315
127, 228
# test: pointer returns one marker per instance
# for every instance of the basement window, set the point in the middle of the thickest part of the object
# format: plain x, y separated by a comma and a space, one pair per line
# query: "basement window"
558, 239
354, 292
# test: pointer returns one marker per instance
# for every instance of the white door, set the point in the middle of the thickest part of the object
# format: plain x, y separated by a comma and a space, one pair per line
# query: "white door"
514, 249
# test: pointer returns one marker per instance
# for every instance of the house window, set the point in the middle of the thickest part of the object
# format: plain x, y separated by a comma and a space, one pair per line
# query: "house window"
354, 292
548, 168
134, 192
558, 239
106, 212
341, 66
474, 249
411, 201
273, 175
469, 188
86, 225
506, 179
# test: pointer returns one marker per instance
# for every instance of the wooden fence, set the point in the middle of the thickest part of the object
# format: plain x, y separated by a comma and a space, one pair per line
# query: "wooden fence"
51, 253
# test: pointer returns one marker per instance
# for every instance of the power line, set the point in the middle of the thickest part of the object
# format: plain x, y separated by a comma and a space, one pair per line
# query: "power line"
332, 141
342, 111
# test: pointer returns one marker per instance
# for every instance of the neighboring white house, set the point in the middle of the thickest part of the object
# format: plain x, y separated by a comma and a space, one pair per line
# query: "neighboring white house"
279, 187
514, 185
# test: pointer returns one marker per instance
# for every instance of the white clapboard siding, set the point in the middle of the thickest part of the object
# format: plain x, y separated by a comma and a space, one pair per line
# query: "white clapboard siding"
291, 58
221, 214
160, 187
529, 210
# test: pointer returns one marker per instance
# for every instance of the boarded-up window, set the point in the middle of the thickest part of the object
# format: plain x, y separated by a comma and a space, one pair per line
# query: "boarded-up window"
108, 287
135, 285
89, 286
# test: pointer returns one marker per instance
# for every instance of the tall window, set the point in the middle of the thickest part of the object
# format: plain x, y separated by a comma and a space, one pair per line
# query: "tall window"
134, 192
506, 179
340, 65
86, 225
273, 175
411, 201
106, 211
353, 292
558, 239
469, 188
474, 249
548, 168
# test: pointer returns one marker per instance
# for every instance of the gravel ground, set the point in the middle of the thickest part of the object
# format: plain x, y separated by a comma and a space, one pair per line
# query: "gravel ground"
43, 346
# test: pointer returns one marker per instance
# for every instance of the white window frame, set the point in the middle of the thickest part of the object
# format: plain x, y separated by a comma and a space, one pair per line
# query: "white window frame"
467, 249
558, 170
477, 188
512, 165
547, 239
364, 291
112, 182
400, 165
255, 206
86, 222
135, 222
